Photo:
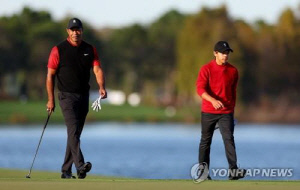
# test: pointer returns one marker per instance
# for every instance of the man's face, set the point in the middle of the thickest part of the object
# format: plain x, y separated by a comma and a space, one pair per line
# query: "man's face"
75, 34
221, 58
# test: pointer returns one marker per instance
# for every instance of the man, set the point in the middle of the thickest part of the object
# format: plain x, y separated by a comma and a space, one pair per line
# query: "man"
70, 62
216, 85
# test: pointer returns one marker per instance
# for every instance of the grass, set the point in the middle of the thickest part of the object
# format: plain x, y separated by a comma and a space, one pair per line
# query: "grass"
15, 112
15, 180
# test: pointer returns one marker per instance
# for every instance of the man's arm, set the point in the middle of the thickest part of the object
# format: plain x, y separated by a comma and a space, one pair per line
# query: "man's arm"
100, 80
50, 89
201, 83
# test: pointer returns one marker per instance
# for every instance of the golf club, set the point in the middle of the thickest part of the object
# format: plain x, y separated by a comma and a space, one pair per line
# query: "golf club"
37, 149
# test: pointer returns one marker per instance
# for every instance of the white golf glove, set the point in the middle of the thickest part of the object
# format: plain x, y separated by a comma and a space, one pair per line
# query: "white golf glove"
97, 104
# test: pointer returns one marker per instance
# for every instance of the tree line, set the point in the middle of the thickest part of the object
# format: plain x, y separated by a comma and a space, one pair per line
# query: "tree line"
161, 60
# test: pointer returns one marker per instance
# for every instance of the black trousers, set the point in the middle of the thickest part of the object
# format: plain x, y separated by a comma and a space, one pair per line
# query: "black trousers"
226, 124
74, 108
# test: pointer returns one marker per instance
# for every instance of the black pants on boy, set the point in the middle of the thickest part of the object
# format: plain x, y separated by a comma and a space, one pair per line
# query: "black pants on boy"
226, 126
74, 108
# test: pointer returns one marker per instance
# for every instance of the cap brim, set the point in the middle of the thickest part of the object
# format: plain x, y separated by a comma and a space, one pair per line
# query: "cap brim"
70, 27
228, 49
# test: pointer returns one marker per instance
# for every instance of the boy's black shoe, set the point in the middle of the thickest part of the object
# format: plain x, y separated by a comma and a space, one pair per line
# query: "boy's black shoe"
66, 175
236, 174
208, 177
81, 173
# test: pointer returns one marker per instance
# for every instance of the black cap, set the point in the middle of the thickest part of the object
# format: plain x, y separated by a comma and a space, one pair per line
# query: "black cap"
222, 46
74, 23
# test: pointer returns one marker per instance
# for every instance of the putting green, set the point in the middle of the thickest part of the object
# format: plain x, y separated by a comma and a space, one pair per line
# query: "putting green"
15, 180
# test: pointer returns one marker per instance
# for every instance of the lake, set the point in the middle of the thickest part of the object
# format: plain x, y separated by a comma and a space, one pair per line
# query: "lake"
152, 151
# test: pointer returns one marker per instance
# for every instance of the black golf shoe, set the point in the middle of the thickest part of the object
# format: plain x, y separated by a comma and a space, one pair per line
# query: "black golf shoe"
208, 177
66, 175
236, 174
85, 168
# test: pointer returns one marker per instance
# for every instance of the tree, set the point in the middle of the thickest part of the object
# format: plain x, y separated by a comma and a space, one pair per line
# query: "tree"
161, 69
287, 32
162, 40
246, 39
127, 51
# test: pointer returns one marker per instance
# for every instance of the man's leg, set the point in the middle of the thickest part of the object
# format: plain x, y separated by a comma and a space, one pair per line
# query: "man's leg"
226, 123
70, 105
82, 113
84, 108
68, 162
208, 122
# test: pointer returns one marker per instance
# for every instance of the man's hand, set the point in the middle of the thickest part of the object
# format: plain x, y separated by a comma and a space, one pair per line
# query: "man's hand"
217, 104
103, 93
50, 106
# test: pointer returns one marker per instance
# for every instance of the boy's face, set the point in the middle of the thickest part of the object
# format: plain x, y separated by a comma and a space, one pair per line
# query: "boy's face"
221, 58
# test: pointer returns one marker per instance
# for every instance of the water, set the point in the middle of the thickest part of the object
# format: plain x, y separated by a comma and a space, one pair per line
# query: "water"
151, 151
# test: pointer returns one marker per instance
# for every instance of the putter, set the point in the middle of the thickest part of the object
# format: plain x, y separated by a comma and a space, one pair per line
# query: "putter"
37, 149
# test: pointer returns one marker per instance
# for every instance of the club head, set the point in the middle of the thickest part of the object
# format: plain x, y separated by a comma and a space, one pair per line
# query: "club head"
27, 176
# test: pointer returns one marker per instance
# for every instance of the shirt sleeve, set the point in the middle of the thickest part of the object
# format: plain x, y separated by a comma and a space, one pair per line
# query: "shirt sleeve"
96, 61
202, 81
53, 60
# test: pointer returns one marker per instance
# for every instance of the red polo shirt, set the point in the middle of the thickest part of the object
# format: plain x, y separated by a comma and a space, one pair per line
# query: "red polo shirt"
220, 82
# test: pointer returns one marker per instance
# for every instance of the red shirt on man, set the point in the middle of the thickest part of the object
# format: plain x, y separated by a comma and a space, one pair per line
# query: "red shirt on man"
220, 82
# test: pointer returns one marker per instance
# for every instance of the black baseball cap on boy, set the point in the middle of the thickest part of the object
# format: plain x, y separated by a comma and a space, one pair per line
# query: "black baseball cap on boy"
74, 23
222, 46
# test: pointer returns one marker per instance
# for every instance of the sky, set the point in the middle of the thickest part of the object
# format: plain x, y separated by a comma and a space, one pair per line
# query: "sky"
120, 13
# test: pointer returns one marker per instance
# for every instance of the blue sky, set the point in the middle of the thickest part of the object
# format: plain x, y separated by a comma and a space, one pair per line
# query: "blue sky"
118, 13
